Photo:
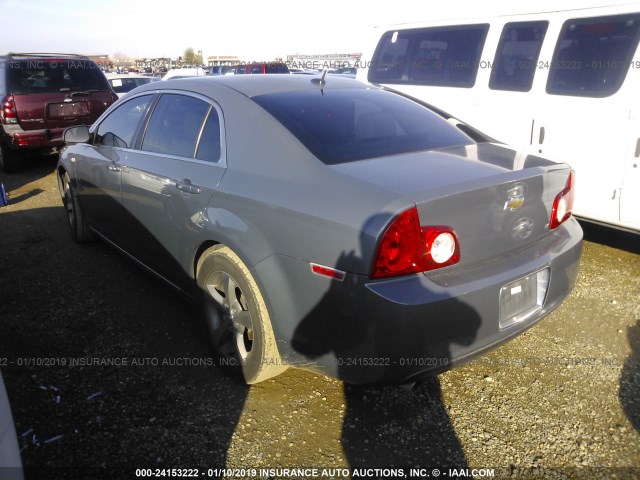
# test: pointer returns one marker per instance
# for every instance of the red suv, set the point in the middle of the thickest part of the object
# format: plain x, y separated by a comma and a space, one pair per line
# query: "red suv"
41, 95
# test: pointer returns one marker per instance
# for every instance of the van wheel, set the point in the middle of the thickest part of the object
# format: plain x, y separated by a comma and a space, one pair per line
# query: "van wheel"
237, 317
9, 160
80, 233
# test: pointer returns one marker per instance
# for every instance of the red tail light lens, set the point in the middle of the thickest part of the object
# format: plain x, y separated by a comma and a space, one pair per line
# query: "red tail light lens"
8, 113
400, 251
408, 248
563, 204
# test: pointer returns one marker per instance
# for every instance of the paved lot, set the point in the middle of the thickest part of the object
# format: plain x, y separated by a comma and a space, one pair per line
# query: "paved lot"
108, 372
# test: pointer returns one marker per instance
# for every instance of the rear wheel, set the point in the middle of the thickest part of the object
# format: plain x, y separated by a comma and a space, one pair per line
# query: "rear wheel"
80, 233
237, 316
9, 160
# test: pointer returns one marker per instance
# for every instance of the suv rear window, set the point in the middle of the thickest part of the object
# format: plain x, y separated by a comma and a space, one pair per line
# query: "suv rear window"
48, 76
345, 125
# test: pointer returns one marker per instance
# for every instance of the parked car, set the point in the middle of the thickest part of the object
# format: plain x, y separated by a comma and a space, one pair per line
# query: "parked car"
326, 223
175, 73
123, 84
217, 69
348, 72
41, 95
261, 68
10, 462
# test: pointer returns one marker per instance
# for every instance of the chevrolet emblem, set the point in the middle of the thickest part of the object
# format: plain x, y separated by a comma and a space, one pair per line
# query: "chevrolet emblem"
515, 197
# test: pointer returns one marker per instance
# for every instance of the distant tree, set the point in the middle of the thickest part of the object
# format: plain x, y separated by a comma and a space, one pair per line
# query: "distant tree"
190, 57
120, 57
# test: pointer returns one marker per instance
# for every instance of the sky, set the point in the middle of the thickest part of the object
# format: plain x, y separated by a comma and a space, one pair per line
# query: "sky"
252, 30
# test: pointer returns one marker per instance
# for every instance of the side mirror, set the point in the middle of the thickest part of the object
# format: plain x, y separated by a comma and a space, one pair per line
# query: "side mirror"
79, 134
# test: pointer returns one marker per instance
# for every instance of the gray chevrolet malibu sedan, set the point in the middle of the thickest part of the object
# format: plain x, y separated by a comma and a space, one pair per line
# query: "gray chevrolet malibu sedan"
324, 223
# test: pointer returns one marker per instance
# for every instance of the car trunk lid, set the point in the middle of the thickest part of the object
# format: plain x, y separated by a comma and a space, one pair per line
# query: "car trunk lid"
495, 199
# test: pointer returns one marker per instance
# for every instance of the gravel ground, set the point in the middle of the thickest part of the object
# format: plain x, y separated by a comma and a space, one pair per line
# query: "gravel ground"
560, 401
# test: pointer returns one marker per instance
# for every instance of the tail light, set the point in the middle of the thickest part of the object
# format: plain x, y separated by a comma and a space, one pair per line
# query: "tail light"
563, 204
408, 248
8, 114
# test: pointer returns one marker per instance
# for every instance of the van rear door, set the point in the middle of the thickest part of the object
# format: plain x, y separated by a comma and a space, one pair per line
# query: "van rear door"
585, 117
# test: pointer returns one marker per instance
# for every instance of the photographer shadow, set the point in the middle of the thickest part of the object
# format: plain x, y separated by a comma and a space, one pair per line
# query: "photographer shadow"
629, 393
382, 422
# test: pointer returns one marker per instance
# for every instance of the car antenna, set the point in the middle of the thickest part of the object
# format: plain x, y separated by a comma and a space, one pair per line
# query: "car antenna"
320, 81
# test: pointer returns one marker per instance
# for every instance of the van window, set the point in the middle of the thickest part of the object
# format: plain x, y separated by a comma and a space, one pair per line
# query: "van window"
444, 56
517, 56
592, 55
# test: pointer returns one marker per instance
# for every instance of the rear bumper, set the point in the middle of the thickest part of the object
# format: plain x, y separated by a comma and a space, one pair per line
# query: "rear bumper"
396, 330
18, 139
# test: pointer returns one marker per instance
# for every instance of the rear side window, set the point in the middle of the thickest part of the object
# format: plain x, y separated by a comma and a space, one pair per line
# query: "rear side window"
49, 76
119, 127
345, 125
444, 56
517, 56
209, 146
176, 125
593, 55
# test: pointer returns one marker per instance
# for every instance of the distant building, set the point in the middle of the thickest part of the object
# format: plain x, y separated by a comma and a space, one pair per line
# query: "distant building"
222, 60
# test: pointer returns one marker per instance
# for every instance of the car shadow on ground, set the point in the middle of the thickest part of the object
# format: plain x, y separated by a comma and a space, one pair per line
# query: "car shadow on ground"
34, 167
629, 393
106, 370
377, 418
619, 239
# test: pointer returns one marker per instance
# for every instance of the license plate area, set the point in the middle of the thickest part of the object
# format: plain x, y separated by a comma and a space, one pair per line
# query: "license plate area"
68, 109
522, 298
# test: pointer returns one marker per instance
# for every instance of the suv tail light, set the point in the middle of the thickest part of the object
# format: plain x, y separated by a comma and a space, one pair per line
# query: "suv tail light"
407, 248
8, 114
563, 204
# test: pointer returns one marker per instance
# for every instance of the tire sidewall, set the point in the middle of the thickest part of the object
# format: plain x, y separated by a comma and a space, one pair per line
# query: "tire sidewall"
256, 367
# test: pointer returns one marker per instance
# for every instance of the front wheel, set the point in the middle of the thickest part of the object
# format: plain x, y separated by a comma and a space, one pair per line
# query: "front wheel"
237, 316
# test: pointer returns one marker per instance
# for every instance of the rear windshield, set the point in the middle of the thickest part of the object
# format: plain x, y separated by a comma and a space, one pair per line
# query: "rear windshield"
345, 125
48, 76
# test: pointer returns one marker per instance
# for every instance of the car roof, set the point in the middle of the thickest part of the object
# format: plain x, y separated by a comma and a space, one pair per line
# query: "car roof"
112, 76
254, 85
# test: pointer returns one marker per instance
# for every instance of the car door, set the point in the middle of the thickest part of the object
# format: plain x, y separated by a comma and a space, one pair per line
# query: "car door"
98, 165
167, 183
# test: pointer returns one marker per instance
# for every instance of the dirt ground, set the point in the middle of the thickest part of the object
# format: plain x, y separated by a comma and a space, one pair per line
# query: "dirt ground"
108, 374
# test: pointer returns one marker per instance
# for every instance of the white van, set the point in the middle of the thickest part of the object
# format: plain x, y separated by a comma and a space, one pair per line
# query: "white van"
562, 84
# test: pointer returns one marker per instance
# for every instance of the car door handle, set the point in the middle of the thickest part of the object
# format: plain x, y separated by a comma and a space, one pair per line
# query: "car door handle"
186, 186
112, 167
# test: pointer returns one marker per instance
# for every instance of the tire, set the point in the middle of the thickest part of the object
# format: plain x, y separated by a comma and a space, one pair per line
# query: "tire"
80, 233
10, 160
239, 323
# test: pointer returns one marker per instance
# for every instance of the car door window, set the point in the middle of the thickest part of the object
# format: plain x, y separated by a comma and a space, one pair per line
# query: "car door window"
176, 125
119, 128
